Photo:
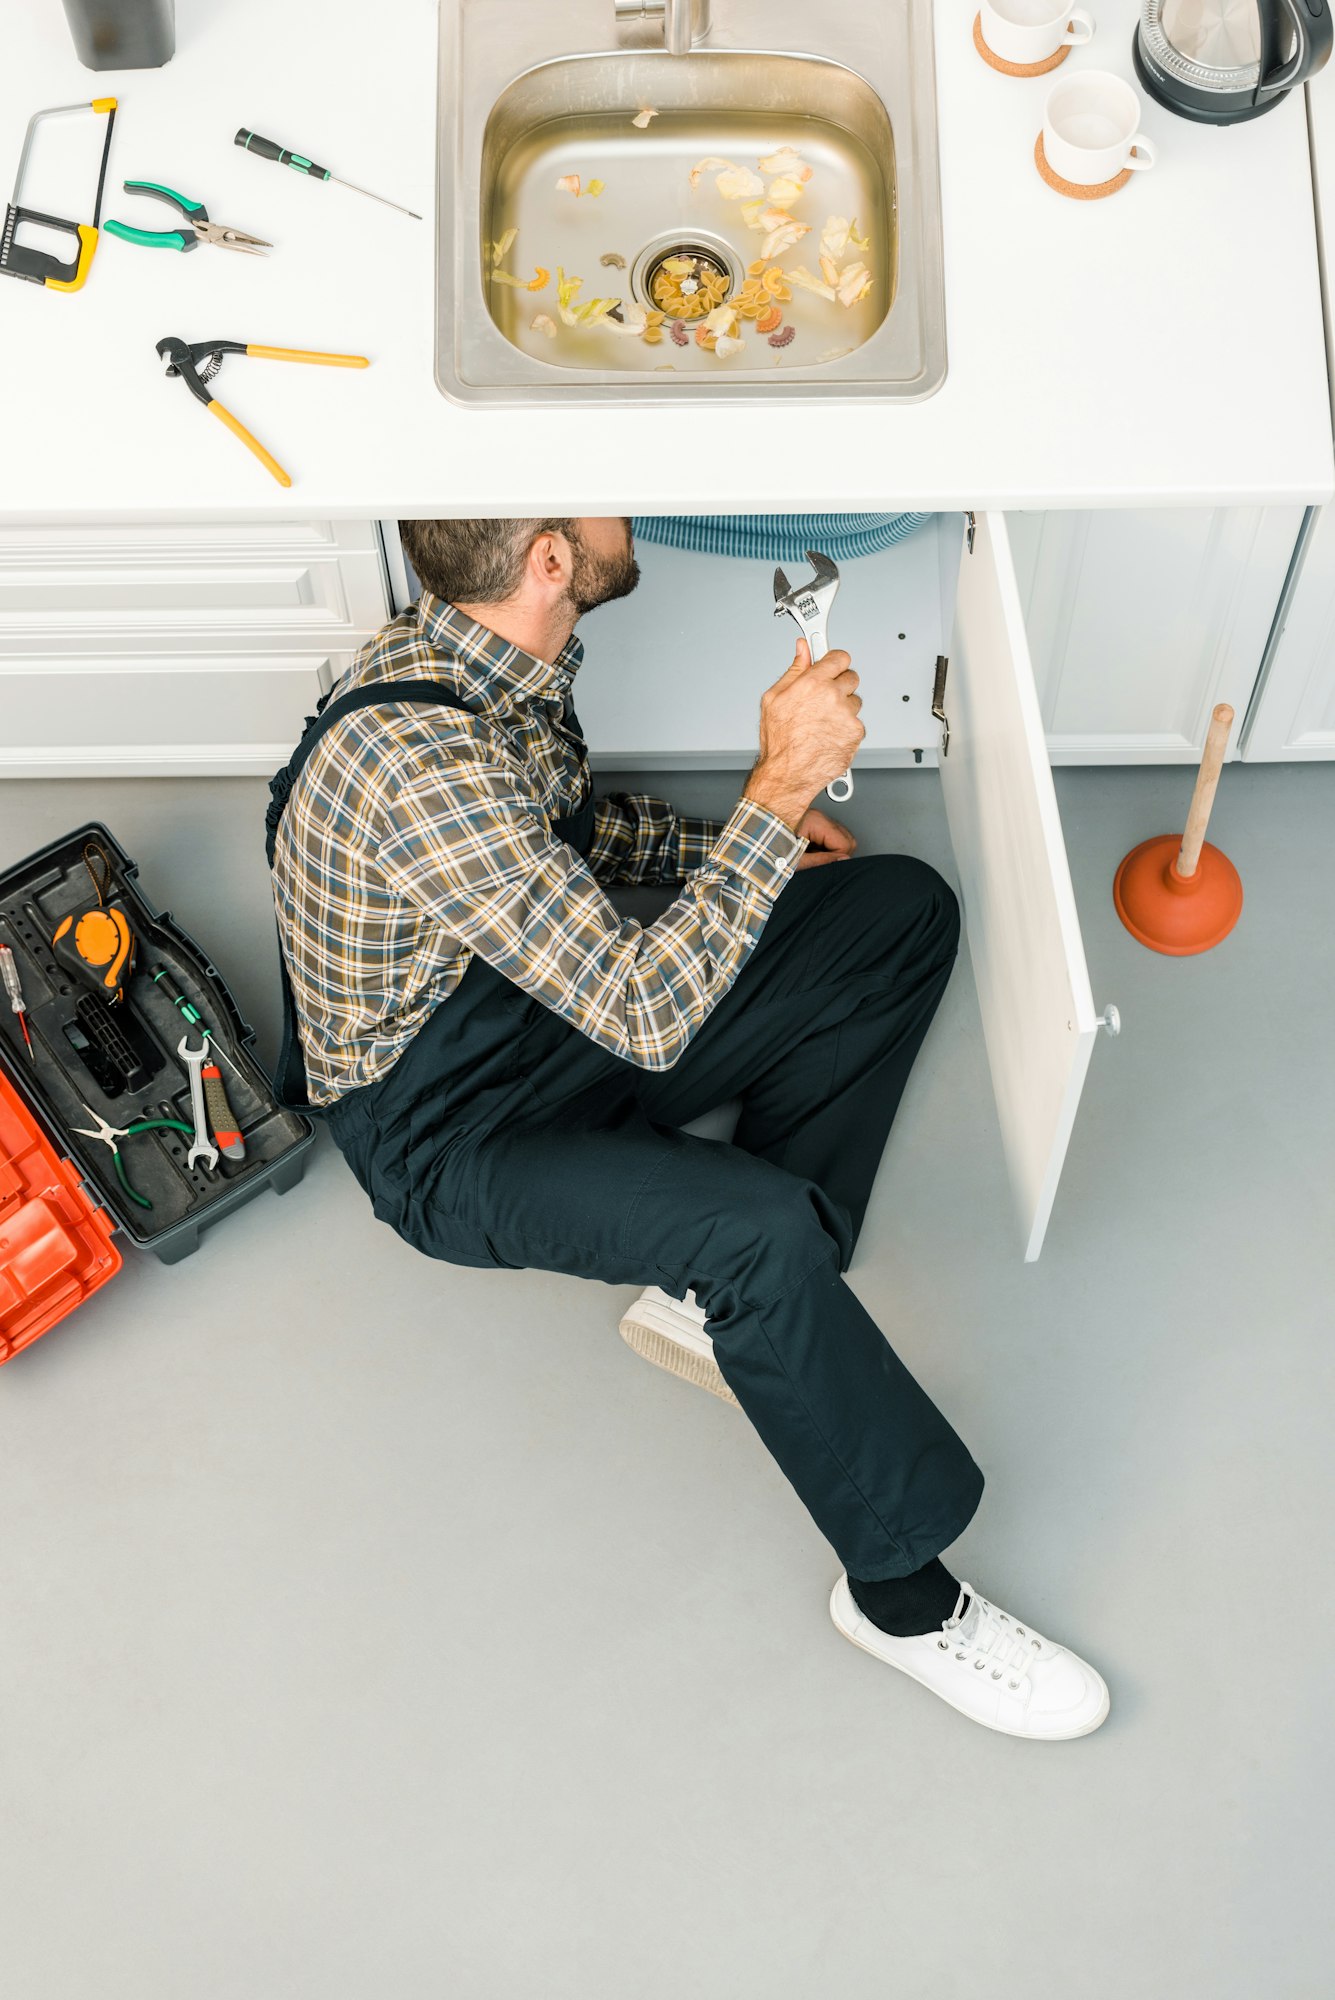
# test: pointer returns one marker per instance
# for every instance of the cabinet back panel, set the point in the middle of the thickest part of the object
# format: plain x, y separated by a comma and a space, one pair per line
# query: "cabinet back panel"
677, 669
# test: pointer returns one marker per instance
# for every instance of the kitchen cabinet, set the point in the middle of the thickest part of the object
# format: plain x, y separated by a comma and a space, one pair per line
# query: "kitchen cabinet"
1293, 710
177, 648
1139, 622
158, 649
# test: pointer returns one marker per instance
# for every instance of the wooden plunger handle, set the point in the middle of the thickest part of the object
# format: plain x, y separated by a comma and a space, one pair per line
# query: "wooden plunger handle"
1207, 781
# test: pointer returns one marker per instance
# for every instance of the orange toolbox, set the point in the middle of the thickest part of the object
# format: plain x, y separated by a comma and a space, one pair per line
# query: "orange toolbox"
55, 1242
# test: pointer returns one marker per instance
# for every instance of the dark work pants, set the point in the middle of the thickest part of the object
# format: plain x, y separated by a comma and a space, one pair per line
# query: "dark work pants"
502, 1136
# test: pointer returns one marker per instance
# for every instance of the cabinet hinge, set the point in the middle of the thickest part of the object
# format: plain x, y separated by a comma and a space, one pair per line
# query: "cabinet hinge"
971, 522
939, 702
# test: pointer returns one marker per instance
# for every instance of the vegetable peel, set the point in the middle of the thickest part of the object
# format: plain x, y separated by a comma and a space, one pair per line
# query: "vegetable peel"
854, 284
781, 239
739, 184
805, 282
785, 160
710, 165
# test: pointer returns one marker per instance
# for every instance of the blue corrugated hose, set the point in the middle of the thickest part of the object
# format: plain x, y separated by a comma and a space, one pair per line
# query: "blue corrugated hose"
779, 538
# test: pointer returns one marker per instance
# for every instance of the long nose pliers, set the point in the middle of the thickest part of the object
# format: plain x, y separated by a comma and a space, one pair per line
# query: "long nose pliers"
110, 1135
197, 227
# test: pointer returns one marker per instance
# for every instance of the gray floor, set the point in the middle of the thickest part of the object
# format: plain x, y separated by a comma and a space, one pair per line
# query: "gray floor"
371, 1630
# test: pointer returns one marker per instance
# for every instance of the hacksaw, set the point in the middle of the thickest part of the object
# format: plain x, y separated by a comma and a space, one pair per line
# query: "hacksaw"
42, 267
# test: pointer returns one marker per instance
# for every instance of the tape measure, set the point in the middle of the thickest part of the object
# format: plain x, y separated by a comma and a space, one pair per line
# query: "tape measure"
97, 943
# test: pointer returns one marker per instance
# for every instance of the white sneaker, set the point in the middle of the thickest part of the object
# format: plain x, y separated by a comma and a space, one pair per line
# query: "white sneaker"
995, 1671
671, 1333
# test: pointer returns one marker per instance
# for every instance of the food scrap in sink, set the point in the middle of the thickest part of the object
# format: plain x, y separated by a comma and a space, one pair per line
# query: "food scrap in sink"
643, 322
592, 313
643, 115
536, 283
687, 287
570, 184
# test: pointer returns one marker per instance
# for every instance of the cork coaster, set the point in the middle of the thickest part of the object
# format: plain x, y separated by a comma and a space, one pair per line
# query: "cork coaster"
1015, 69
1075, 190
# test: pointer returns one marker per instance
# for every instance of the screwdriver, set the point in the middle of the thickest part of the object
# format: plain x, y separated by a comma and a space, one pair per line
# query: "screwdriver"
15, 992
251, 142
163, 980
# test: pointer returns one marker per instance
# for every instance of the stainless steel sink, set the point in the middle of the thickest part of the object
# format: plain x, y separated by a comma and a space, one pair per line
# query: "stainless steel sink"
534, 94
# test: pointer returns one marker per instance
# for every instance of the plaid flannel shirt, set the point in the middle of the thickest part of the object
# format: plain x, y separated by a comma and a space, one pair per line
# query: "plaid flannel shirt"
416, 836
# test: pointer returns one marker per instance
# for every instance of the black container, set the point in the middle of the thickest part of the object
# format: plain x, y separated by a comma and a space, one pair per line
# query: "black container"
63, 1084
123, 34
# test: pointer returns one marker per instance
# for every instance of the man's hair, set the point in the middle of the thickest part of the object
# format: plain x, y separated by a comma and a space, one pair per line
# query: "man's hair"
476, 562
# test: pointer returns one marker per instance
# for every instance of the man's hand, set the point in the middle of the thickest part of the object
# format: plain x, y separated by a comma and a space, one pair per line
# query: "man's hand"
826, 840
809, 732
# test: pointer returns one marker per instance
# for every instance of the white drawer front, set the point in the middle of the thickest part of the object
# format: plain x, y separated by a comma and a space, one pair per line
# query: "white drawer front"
219, 716
163, 647
159, 587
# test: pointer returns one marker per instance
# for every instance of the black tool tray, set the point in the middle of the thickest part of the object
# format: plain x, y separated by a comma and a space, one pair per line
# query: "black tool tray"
34, 895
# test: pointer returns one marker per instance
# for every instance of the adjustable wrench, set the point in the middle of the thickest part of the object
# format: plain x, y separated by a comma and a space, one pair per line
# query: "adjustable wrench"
808, 605
202, 1147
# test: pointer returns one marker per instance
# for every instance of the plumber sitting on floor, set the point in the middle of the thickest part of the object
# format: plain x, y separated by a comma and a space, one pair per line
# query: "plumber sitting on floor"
507, 1063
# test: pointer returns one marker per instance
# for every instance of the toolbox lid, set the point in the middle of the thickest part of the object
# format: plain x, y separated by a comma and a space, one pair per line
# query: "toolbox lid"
55, 1242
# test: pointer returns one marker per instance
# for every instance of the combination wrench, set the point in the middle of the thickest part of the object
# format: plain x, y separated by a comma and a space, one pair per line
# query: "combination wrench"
808, 605
202, 1147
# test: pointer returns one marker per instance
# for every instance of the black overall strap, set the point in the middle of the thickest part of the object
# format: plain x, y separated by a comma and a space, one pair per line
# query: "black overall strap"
290, 1081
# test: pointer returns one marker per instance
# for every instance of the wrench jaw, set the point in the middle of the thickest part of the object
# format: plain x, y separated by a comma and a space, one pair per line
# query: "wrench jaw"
808, 604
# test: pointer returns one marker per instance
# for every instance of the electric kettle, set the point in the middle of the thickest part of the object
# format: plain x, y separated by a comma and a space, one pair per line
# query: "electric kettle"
1220, 61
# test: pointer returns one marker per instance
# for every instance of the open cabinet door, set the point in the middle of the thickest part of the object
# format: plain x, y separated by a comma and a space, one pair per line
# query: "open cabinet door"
1019, 908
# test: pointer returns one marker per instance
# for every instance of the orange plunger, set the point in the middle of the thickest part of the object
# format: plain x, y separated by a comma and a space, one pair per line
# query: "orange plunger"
1184, 897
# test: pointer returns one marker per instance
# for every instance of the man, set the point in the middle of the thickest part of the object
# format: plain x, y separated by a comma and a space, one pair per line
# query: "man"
507, 1063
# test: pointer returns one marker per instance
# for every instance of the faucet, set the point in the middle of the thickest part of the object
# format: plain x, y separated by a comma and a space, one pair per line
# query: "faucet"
685, 22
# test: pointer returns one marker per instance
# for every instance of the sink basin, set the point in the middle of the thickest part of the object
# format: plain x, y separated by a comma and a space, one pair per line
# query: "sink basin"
851, 114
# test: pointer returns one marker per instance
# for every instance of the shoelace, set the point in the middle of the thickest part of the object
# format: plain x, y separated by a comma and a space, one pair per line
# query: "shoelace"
996, 1644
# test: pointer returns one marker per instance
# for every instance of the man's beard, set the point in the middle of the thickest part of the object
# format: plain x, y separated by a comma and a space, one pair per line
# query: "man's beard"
596, 580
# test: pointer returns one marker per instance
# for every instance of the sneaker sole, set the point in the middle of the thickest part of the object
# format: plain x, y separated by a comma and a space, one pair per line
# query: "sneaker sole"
980, 1721
699, 1369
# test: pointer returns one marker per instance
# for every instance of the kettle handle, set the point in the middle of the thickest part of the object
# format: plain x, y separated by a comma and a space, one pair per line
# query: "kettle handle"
1312, 39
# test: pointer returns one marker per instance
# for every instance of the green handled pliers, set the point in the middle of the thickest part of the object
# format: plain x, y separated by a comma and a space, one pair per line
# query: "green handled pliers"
109, 1134
198, 229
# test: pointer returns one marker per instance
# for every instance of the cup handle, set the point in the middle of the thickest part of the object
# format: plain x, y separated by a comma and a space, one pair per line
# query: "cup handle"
1143, 156
1077, 19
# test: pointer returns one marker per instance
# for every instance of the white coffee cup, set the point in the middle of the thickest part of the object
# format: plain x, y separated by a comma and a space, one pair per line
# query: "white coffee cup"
1029, 31
1090, 124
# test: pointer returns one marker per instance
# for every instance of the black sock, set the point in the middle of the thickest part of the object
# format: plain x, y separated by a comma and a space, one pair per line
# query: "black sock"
906, 1605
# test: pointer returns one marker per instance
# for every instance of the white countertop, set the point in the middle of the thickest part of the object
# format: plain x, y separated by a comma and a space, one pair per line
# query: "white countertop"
1164, 346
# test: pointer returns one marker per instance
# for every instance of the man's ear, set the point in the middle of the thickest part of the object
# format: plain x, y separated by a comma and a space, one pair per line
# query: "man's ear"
549, 562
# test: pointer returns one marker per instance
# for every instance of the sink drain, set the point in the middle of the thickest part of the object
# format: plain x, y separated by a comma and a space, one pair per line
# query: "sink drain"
685, 277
